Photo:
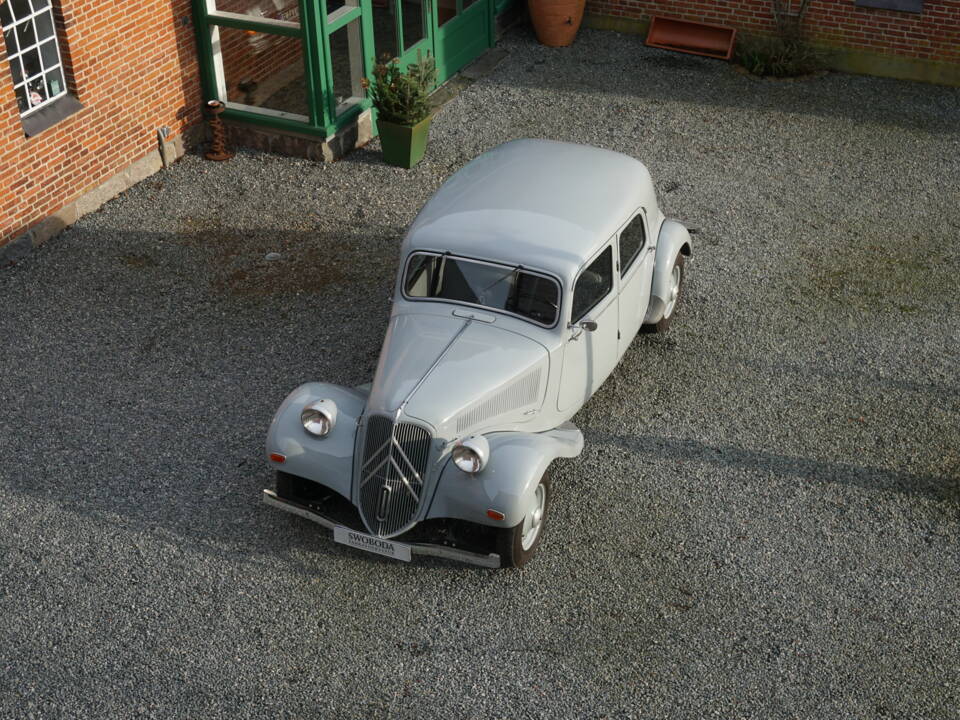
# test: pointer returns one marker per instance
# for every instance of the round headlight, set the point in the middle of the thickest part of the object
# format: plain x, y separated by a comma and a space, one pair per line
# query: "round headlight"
319, 417
471, 454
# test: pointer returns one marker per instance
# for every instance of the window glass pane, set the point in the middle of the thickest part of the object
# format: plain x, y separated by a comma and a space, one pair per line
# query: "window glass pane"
36, 92
10, 38
632, 240
446, 10
21, 8
44, 24
48, 51
288, 10
31, 62
385, 29
334, 5
264, 70
593, 285
413, 22
25, 34
22, 103
6, 17
40, 4
55, 84
499, 287
346, 57
17, 72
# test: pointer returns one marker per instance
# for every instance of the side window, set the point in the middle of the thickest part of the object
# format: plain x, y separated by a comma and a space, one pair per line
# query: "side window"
33, 53
593, 284
632, 240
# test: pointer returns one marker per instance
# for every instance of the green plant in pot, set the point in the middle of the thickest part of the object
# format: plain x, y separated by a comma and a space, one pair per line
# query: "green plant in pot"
402, 100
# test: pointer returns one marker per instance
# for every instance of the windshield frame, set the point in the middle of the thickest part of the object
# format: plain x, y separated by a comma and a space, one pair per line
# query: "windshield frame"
506, 266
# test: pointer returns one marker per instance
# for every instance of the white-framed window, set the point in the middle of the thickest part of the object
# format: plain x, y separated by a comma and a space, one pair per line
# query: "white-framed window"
33, 53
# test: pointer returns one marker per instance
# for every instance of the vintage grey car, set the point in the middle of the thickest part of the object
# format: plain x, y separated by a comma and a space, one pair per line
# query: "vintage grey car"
521, 284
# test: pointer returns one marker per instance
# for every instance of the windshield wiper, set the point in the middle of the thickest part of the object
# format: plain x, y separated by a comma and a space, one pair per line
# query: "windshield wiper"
481, 296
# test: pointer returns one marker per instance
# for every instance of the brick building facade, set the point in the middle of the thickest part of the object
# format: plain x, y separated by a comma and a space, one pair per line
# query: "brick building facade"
130, 69
919, 42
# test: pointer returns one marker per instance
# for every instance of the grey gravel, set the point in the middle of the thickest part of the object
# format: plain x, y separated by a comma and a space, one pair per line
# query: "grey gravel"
764, 521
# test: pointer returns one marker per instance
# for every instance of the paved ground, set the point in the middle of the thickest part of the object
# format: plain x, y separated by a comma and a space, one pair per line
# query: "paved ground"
764, 522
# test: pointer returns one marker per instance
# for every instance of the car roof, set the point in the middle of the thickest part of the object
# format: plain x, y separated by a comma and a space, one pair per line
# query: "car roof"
537, 203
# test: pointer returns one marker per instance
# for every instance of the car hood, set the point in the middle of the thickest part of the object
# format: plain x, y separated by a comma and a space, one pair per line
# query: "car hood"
456, 374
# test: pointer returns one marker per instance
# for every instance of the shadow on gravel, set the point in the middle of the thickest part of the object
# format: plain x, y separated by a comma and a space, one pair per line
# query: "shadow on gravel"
148, 366
940, 488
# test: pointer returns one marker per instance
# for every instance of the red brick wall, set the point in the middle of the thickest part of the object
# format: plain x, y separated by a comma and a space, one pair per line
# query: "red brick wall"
133, 67
931, 35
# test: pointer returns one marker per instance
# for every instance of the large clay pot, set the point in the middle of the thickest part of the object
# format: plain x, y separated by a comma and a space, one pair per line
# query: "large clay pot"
556, 21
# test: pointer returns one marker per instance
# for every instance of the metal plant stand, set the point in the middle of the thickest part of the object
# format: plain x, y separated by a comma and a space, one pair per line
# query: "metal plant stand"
218, 144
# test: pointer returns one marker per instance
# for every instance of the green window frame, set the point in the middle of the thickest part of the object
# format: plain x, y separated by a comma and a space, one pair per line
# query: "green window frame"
313, 31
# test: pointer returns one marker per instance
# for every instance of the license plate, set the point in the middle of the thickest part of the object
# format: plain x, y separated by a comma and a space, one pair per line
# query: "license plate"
362, 541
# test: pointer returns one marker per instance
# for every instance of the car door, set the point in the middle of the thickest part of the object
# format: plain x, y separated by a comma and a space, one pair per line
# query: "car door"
589, 357
637, 255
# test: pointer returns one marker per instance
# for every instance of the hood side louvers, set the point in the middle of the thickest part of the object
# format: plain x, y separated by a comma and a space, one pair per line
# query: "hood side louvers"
516, 395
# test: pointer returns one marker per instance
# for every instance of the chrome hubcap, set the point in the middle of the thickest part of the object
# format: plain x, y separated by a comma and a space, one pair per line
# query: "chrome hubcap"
674, 291
533, 520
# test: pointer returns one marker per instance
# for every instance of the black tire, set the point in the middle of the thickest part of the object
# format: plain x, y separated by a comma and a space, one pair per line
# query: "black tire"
663, 324
510, 541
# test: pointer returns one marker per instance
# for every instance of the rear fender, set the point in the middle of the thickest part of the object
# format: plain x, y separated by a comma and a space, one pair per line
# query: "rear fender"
517, 462
673, 240
327, 460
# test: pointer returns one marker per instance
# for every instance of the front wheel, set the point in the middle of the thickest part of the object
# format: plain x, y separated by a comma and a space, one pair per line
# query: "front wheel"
517, 545
672, 299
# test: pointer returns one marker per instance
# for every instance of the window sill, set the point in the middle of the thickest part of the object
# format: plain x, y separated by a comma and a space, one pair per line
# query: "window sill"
49, 116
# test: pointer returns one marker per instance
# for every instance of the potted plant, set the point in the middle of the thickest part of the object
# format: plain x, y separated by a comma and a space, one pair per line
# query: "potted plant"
403, 108
556, 21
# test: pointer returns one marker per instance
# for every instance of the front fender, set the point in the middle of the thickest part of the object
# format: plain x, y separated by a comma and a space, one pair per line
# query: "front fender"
517, 462
328, 460
673, 239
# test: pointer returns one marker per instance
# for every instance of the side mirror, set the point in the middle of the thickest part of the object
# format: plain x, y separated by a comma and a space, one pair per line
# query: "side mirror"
579, 327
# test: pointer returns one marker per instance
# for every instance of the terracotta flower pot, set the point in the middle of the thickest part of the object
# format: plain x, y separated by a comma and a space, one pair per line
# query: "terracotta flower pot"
556, 21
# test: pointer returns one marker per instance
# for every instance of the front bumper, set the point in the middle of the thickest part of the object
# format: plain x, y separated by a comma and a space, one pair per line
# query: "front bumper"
488, 560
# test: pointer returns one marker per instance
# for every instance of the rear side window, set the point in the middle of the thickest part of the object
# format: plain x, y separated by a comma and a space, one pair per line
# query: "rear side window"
593, 284
632, 240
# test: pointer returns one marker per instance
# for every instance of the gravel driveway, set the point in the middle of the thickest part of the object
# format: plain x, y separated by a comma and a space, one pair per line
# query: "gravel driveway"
764, 522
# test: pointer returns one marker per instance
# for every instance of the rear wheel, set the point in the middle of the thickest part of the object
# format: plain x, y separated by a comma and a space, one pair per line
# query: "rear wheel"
672, 299
517, 545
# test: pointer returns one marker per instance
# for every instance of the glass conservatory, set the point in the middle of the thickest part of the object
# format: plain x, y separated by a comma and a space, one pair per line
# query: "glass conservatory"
296, 65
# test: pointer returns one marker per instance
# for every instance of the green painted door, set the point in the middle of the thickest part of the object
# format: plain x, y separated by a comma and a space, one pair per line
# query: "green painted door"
462, 33
454, 32
402, 28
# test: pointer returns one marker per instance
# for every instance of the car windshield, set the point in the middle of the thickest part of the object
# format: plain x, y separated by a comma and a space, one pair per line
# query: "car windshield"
499, 287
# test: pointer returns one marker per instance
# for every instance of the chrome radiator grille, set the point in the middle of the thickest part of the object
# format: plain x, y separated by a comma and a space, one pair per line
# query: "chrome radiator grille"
393, 474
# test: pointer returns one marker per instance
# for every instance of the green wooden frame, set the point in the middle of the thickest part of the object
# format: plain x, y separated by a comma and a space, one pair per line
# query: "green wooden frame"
314, 34
314, 31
